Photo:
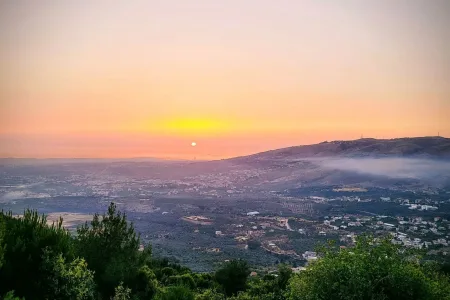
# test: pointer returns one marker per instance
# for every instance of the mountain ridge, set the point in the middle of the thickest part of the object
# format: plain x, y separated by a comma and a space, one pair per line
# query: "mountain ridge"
428, 146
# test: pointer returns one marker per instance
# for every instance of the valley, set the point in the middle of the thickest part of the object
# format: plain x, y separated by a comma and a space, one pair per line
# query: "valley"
265, 209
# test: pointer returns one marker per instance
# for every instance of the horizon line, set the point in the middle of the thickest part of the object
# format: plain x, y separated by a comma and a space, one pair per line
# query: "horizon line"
162, 158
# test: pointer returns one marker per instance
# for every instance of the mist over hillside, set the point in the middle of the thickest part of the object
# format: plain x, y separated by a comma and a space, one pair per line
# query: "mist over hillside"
391, 167
410, 161
414, 162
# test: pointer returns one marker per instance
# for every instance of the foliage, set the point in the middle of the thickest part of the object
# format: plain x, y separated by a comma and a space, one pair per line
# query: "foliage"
10, 296
253, 244
67, 280
42, 261
210, 294
144, 285
268, 287
24, 240
444, 266
259, 288
204, 280
284, 274
185, 279
2, 246
368, 271
175, 293
233, 276
164, 269
110, 246
122, 293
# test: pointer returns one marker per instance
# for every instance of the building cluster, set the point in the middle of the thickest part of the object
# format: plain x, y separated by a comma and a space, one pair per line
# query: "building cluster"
415, 232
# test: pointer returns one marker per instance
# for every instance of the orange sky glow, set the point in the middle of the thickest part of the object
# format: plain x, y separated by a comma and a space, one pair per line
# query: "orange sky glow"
148, 78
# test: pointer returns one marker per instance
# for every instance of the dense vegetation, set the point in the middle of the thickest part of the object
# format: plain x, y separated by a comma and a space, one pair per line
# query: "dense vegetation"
103, 261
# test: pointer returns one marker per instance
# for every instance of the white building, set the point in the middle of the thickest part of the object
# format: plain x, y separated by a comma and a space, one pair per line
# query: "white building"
253, 213
310, 255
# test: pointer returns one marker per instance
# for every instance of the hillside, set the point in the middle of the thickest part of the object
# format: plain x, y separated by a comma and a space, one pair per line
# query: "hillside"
432, 147
411, 162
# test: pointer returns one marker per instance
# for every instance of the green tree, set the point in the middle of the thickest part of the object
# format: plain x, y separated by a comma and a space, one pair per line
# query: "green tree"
265, 288
371, 270
121, 293
253, 244
184, 279
67, 280
144, 285
24, 240
165, 273
233, 276
110, 246
210, 294
204, 280
248, 296
10, 296
284, 274
175, 293
2, 234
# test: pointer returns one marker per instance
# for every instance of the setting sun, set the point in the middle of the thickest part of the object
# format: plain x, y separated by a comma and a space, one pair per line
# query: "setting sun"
236, 137
147, 79
199, 126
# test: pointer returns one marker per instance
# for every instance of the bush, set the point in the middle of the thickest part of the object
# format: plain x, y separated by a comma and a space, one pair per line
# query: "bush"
10, 296
67, 280
185, 280
144, 285
203, 280
175, 293
253, 244
122, 293
233, 276
24, 241
210, 294
368, 271
39, 261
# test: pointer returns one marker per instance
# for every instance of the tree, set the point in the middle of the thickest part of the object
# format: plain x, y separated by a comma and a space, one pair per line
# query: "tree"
24, 240
268, 287
110, 246
185, 280
284, 274
253, 244
175, 293
122, 293
204, 280
210, 294
67, 280
144, 285
2, 234
233, 276
371, 270
10, 296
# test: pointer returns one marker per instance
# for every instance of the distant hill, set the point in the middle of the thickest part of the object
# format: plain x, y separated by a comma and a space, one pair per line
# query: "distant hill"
407, 162
432, 147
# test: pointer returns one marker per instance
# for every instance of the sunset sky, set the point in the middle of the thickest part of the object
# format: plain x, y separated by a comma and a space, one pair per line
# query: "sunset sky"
147, 78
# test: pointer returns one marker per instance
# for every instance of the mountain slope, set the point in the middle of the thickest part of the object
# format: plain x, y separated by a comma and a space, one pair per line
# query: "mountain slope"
433, 147
420, 162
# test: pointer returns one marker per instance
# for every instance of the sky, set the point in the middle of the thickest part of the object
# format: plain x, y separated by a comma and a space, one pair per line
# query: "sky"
147, 78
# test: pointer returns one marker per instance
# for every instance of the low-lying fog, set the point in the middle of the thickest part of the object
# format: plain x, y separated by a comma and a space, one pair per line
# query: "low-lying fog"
417, 168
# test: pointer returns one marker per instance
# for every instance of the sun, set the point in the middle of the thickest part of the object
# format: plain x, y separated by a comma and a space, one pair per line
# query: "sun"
193, 144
